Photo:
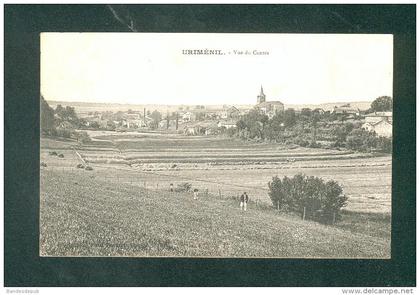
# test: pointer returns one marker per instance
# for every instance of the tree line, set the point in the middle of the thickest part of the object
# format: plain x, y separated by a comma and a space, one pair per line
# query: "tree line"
310, 196
61, 122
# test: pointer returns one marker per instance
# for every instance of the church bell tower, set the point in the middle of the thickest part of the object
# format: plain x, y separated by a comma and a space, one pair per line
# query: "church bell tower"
261, 97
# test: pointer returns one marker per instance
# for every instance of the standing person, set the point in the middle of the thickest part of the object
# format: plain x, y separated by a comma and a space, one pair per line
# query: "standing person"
195, 193
244, 201
171, 187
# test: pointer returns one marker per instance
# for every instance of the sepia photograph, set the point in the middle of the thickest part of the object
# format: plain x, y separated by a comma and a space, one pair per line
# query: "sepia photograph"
216, 145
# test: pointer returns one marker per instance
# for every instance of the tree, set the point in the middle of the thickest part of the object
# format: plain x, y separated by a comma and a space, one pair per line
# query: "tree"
156, 117
306, 112
67, 114
314, 122
255, 123
382, 104
289, 118
334, 199
47, 117
200, 116
94, 125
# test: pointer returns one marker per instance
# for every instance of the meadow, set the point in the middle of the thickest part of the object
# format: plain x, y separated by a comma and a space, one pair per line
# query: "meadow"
123, 207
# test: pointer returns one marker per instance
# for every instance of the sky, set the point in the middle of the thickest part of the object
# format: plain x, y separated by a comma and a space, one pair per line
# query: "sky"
150, 68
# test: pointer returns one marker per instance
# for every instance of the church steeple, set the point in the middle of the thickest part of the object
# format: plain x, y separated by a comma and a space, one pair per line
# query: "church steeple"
261, 97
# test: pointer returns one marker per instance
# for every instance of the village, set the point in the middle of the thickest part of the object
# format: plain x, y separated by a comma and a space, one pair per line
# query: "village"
213, 120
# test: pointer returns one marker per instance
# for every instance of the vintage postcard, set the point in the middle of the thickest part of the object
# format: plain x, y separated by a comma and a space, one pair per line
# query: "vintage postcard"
216, 145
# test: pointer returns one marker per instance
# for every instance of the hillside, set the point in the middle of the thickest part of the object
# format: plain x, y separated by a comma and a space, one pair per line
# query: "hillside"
85, 215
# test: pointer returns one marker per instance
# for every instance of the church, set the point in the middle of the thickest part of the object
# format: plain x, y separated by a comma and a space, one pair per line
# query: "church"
269, 108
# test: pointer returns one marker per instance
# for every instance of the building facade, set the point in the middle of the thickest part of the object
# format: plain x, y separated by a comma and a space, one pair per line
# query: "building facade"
269, 108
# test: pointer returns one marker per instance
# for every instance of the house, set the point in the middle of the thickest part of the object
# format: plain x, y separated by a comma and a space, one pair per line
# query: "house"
226, 124
201, 128
102, 123
188, 117
190, 130
346, 110
145, 122
163, 124
222, 115
381, 128
233, 113
229, 113
378, 116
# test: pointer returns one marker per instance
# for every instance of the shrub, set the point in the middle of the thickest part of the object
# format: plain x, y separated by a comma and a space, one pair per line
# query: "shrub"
302, 142
62, 132
314, 144
384, 144
320, 200
80, 166
89, 168
43, 164
53, 153
184, 187
83, 137
60, 155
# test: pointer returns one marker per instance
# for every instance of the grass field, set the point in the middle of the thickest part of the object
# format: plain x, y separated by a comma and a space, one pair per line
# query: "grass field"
83, 215
123, 207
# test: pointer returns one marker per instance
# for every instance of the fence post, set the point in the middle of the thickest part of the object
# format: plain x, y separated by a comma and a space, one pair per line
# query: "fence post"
333, 217
304, 213
220, 194
278, 205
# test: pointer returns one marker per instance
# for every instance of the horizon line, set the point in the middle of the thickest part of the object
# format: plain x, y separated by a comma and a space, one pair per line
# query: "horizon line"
186, 104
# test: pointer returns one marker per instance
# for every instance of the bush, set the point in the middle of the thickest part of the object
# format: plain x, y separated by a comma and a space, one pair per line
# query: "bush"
43, 164
320, 200
302, 142
83, 137
53, 153
314, 144
80, 166
361, 140
183, 187
89, 168
60, 155
384, 144
62, 132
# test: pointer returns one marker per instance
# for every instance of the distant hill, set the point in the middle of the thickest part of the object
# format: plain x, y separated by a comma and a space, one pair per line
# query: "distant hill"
362, 105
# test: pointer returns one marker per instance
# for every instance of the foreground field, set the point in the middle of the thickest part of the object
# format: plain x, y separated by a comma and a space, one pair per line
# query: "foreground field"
123, 207
83, 214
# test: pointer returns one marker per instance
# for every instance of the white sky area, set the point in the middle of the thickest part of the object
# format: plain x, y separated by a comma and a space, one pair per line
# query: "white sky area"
149, 68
